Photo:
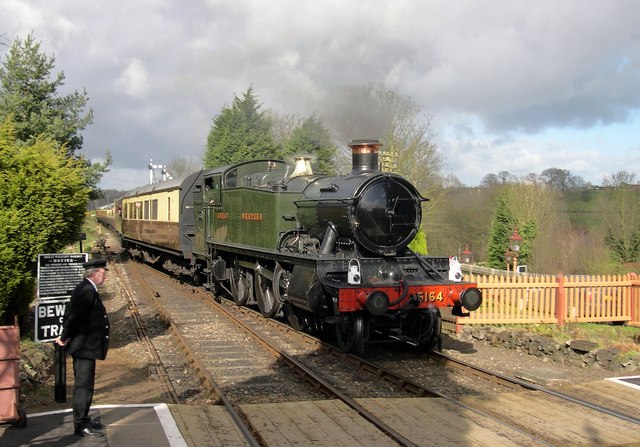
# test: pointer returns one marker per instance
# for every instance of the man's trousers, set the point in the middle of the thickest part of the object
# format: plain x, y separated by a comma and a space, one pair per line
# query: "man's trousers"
84, 374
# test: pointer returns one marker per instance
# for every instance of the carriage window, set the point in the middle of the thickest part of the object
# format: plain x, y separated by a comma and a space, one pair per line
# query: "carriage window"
146, 210
231, 179
169, 209
154, 209
138, 210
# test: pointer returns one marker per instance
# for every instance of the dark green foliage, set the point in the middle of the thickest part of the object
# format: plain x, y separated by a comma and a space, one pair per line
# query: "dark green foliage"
624, 250
528, 231
240, 133
313, 139
92, 173
620, 211
43, 196
31, 98
501, 229
44, 184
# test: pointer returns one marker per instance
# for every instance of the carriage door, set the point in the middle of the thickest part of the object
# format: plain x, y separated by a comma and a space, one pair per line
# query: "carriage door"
198, 218
213, 203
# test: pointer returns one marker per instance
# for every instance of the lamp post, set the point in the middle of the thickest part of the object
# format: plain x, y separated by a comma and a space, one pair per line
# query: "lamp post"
507, 258
467, 255
514, 244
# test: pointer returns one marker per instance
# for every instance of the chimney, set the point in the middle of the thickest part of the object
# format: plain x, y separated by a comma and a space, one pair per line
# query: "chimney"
364, 155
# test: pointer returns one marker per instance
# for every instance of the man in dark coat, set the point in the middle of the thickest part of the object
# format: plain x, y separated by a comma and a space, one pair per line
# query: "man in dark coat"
85, 335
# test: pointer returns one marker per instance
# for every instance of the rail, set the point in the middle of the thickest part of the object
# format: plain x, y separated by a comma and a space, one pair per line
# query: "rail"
531, 299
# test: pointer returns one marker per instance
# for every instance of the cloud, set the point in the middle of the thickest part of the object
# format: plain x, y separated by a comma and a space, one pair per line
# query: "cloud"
134, 80
124, 179
157, 72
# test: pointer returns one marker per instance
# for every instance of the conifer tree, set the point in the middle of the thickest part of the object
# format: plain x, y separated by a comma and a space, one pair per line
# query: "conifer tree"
501, 228
30, 94
504, 222
44, 183
312, 138
239, 133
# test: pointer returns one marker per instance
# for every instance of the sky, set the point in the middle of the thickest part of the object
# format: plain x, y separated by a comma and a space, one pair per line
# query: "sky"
516, 86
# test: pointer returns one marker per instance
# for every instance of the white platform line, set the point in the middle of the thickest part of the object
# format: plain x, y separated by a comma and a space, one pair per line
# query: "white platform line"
169, 426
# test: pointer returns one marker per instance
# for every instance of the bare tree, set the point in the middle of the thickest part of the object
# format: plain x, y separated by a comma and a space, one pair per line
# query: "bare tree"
565, 248
283, 125
562, 179
379, 113
466, 219
620, 178
506, 177
182, 166
620, 212
490, 180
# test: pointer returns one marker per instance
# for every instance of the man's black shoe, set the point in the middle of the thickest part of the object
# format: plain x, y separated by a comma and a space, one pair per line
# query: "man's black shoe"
89, 431
97, 425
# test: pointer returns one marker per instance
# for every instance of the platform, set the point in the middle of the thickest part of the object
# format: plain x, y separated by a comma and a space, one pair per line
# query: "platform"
127, 425
424, 421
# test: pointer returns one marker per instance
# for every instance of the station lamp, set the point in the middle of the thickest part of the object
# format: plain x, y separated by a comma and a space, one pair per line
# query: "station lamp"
507, 258
515, 242
467, 255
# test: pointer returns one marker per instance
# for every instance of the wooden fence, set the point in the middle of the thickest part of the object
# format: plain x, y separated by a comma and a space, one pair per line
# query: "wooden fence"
512, 299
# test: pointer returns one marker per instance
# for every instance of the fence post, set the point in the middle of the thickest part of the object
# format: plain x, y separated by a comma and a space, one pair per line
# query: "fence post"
635, 298
561, 301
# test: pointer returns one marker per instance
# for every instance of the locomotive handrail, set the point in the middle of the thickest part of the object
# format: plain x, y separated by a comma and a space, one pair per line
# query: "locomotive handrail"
422, 264
329, 188
350, 199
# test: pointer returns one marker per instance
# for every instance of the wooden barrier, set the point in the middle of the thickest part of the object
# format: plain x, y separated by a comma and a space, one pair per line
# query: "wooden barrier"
635, 301
530, 299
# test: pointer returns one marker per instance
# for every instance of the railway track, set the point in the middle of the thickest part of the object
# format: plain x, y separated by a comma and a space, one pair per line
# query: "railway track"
517, 384
318, 386
185, 346
299, 359
143, 335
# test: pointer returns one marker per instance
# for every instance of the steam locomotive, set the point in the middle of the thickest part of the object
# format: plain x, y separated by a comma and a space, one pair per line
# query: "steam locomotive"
327, 253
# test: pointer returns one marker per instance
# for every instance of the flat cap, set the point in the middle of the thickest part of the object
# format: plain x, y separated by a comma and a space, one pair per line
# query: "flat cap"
96, 264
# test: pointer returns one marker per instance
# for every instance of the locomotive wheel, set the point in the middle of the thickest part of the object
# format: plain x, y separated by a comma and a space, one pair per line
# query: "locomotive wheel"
241, 286
281, 279
433, 341
350, 332
267, 302
294, 317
